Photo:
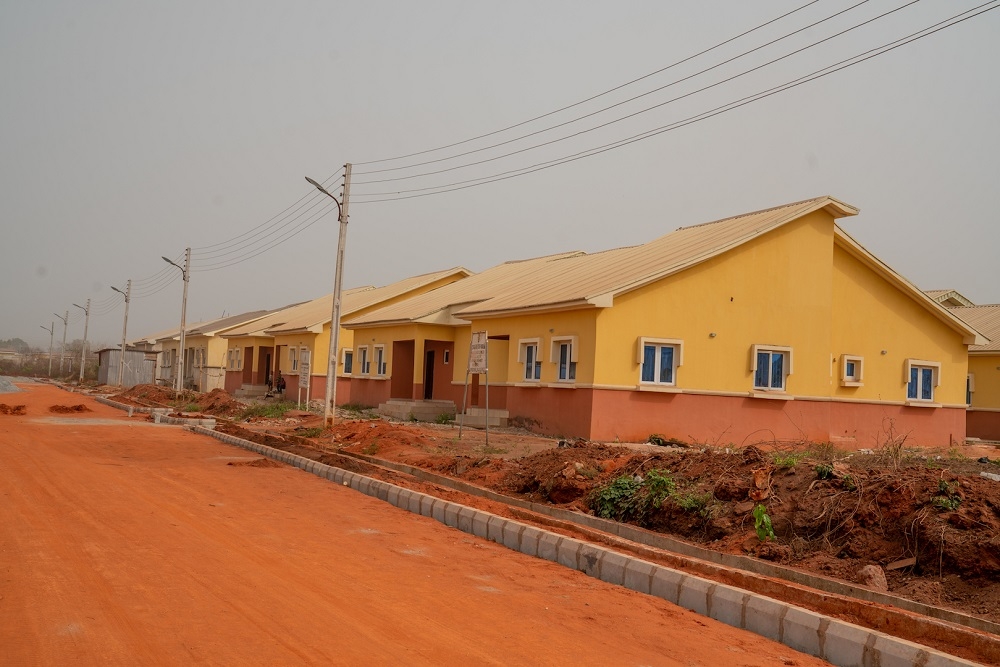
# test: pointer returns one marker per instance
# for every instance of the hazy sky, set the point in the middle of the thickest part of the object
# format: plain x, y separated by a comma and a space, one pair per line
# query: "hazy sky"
131, 130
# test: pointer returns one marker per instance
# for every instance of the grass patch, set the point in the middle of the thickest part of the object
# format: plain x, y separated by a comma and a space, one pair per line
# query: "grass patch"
444, 418
371, 448
310, 432
788, 460
266, 410
192, 407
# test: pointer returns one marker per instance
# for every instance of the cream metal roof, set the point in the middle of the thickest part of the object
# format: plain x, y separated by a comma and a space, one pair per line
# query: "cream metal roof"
985, 319
318, 312
581, 281
170, 334
436, 306
217, 326
279, 317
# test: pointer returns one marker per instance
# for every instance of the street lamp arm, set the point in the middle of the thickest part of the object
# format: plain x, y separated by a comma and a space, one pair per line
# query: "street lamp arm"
326, 192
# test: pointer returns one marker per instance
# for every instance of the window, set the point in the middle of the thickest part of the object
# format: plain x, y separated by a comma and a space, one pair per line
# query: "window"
659, 359
447, 356
380, 363
293, 358
851, 370
239, 359
229, 359
348, 361
529, 356
363, 362
921, 378
771, 364
970, 387
564, 353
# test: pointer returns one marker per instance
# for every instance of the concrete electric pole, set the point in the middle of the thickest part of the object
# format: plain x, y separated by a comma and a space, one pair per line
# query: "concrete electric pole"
121, 361
186, 274
51, 329
86, 325
62, 350
330, 413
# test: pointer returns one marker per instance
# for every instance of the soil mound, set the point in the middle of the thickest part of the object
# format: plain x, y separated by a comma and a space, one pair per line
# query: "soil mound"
66, 409
12, 409
220, 403
150, 393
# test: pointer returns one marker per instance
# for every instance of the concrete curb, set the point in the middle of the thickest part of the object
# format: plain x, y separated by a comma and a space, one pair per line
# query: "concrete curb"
132, 408
840, 643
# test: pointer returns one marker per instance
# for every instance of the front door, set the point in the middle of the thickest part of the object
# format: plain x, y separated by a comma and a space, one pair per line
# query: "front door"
429, 375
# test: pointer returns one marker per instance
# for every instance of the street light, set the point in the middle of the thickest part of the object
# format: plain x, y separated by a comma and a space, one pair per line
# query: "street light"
62, 351
86, 325
121, 362
186, 274
51, 329
330, 413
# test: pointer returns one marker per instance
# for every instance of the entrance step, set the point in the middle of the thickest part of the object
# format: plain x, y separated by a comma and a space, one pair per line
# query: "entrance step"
421, 411
476, 417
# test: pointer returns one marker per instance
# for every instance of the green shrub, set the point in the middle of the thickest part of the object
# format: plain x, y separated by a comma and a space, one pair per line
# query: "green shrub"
659, 486
787, 460
309, 432
693, 502
444, 418
824, 471
617, 500
762, 523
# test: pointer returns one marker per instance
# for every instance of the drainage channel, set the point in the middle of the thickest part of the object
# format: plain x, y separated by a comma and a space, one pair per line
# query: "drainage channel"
832, 639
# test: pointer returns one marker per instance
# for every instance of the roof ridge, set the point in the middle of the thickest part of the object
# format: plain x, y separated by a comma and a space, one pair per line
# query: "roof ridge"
763, 210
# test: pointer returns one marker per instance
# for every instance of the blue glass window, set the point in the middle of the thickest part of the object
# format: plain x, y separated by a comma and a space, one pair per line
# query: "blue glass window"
658, 364
770, 373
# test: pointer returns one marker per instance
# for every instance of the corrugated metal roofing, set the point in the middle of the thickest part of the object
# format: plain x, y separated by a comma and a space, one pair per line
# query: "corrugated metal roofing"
986, 320
215, 326
579, 280
283, 315
318, 312
471, 290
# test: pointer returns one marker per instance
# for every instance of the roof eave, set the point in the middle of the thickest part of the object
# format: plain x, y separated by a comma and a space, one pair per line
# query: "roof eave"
970, 336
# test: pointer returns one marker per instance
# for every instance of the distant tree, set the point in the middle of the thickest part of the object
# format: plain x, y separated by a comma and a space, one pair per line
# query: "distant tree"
15, 344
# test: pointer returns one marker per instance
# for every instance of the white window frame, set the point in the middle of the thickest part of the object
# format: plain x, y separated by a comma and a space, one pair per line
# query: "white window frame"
784, 350
364, 362
343, 361
381, 363
921, 364
678, 358
522, 356
555, 350
858, 378
239, 358
229, 359
446, 356
970, 387
293, 358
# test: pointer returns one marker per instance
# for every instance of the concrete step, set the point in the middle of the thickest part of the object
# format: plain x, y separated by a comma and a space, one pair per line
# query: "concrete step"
477, 417
411, 410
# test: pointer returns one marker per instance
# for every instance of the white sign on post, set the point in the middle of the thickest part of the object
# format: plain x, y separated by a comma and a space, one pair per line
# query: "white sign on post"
304, 369
477, 352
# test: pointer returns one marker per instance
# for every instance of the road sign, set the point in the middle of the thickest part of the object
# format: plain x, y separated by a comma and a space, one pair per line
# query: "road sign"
477, 352
304, 369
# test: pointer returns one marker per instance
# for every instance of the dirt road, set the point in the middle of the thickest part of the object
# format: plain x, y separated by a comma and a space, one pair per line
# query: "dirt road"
124, 543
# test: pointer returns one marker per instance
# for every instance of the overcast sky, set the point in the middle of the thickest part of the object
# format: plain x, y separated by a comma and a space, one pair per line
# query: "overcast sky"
131, 130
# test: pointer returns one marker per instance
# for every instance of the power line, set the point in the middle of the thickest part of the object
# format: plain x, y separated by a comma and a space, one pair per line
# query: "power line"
228, 242
641, 111
817, 74
308, 222
630, 99
593, 97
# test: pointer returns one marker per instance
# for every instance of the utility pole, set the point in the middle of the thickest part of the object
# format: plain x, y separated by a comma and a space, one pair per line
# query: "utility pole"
62, 350
186, 274
121, 361
51, 329
330, 413
86, 325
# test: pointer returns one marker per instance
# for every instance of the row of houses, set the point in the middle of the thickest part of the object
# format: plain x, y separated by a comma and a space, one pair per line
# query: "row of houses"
770, 325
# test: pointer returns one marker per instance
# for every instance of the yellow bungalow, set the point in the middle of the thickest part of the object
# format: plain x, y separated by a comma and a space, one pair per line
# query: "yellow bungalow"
299, 337
773, 325
205, 358
983, 386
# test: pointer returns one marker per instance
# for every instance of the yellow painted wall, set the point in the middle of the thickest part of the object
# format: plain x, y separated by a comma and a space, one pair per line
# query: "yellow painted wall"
771, 291
986, 369
579, 323
300, 340
418, 333
871, 315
